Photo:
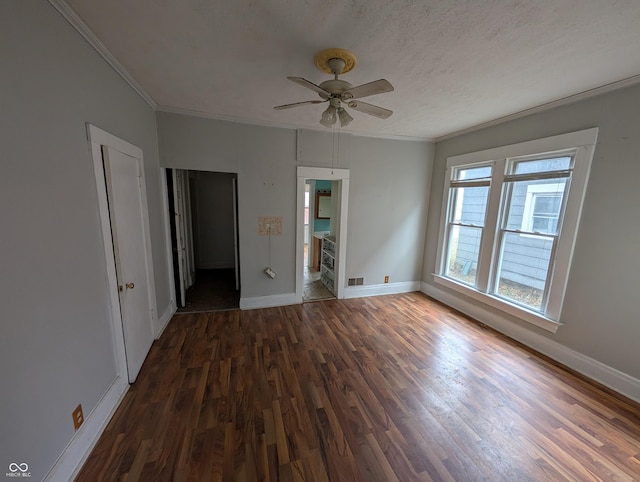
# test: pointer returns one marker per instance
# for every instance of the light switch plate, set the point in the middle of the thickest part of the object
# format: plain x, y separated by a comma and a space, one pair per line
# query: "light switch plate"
270, 225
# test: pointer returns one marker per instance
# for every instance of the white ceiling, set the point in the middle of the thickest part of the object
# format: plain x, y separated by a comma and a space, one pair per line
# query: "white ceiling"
454, 64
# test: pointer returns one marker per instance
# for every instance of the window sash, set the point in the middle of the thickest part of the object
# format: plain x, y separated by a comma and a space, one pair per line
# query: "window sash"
499, 251
452, 199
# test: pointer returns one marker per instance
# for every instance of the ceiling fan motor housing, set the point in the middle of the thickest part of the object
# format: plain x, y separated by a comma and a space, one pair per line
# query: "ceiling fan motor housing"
335, 86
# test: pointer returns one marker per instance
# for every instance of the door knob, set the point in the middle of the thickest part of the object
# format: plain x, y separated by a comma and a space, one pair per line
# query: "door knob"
129, 286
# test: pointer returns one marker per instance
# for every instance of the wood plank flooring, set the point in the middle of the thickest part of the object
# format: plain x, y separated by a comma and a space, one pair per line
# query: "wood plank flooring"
391, 388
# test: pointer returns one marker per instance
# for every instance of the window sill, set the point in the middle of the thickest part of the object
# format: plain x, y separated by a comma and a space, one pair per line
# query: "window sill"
514, 310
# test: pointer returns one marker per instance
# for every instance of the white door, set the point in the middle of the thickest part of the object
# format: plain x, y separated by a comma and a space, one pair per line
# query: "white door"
178, 202
236, 247
190, 271
122, 175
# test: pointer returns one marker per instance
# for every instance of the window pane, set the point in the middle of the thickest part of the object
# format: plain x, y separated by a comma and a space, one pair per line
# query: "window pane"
464, 247
469, 205
472, 173
542, 165
546, 211
534, 206
544, 224
522, 273
547, 204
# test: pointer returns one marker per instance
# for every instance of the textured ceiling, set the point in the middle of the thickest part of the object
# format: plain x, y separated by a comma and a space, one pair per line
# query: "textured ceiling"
454, 63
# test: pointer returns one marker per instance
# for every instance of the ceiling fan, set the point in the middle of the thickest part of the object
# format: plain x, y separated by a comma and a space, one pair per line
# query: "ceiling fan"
340, 93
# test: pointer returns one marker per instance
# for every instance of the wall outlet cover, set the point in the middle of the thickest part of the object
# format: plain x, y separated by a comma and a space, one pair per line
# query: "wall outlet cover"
78, 417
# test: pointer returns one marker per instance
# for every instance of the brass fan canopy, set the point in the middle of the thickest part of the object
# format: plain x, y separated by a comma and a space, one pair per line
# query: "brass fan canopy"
335, 61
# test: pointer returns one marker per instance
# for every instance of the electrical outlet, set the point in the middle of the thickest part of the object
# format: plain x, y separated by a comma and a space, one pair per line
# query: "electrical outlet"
386, 279
78, 417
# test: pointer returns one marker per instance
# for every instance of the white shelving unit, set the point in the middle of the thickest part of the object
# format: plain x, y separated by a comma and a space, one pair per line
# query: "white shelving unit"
327, 262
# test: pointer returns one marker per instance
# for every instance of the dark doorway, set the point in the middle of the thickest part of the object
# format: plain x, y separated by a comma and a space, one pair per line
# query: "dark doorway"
213, 290
204, 237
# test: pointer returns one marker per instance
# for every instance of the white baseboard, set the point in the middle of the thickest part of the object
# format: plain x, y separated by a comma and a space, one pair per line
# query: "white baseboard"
163, 321
269, 301
598, 371
75, 454
382, 289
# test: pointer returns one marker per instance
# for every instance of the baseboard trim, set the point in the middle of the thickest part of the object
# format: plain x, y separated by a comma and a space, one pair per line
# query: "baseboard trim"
594, 369
164, 319
76, 453
381, 289
269, 301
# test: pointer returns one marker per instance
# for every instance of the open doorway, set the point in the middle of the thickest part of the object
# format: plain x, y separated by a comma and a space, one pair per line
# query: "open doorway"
319, 239
203, 207
321, 234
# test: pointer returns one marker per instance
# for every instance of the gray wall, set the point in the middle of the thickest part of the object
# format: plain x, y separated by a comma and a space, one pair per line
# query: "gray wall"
389, 187
388, 202
213, 219
264, 159
56, 346
600, 312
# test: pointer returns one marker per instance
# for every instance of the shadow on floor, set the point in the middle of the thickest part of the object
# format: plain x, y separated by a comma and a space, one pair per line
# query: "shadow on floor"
213, 290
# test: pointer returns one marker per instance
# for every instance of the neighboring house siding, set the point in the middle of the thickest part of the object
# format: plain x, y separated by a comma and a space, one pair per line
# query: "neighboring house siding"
473, 210
523, 262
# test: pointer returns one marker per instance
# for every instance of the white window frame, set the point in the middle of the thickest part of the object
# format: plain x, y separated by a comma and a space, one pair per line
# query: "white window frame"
581, 146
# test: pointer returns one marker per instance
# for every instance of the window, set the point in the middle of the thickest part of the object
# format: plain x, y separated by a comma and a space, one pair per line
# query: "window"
306, 205
469, 192
510, 218
542, 205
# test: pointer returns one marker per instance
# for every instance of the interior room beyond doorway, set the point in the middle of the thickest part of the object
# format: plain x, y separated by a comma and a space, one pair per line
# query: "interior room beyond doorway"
203, 207
319, 215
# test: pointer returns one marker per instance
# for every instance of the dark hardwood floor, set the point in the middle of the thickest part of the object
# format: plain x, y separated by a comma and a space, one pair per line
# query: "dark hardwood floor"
374, 389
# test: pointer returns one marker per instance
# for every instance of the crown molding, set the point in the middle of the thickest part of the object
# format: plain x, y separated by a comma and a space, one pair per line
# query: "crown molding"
571, 99
238, 120
83, 29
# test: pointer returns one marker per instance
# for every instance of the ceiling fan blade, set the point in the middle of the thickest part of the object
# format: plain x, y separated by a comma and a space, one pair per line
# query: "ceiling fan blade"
370, 109
364, 90
310, 85
296, 104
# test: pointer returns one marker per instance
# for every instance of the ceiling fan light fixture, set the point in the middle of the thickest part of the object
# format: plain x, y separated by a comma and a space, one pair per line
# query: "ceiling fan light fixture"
345, 118
329, 116
339, 92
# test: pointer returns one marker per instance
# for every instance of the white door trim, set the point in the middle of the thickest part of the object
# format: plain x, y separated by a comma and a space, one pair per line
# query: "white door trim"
179, 210
342, 175
171, 309
98, 138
